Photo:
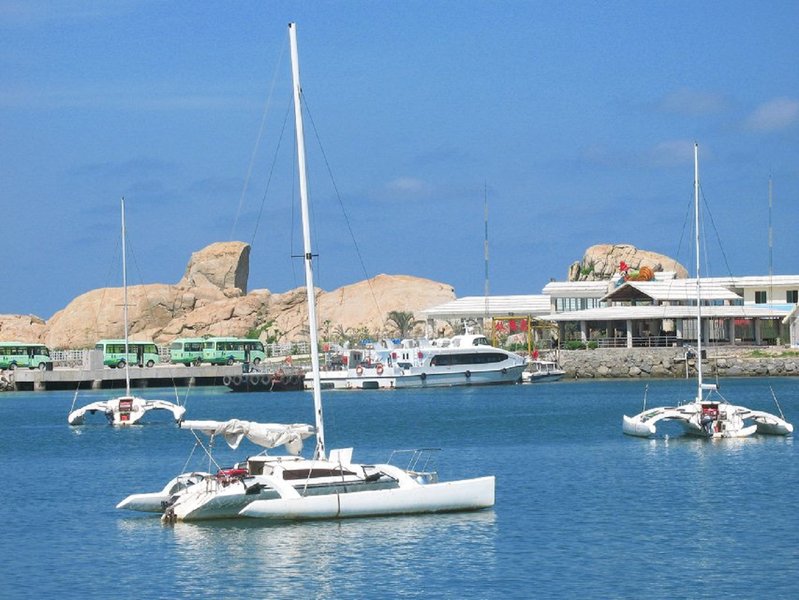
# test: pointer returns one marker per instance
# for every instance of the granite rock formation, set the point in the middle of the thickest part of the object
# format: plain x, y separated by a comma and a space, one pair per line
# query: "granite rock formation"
223, 265
601, 262
21, 328
211, 299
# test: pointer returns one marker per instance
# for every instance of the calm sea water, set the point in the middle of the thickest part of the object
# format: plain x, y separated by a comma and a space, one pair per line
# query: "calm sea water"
582, 510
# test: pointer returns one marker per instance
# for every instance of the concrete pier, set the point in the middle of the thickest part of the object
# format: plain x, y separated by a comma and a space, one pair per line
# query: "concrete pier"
64, 378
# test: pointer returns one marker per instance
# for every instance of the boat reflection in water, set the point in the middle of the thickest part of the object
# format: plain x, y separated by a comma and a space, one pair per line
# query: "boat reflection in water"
342, 553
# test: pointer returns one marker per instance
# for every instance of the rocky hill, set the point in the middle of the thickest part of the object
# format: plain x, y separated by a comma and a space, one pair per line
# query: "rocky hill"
212, 299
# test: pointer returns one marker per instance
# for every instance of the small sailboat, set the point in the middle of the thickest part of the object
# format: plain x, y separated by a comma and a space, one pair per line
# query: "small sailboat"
325, 485
128, 409
709, 415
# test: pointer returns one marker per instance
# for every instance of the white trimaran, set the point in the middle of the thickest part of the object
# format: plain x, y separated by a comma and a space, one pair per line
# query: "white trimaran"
706, 416
292, 487
127, 409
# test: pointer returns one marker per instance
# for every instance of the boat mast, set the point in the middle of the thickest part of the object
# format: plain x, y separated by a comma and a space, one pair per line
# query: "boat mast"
319, 452
485, 255
698, 283
125, 298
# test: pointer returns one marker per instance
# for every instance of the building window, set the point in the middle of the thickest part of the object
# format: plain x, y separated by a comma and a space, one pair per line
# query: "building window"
792, 296
760, 298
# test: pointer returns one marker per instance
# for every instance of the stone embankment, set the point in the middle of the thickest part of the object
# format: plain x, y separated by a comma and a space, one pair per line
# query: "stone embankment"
607, 363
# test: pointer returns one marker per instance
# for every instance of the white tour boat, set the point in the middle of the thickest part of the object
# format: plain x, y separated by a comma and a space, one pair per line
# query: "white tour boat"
466, 359
706, 416
128, 409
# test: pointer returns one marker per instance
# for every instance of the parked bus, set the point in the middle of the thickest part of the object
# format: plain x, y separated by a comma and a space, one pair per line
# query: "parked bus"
24, 354
139, 353
226, 351
187, 351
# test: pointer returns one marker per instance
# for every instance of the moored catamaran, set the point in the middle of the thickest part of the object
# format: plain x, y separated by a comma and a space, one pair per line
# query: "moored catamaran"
709, 415
325, 485
127, 409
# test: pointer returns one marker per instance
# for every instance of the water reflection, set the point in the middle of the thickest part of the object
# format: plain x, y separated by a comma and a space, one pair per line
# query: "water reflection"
324, 558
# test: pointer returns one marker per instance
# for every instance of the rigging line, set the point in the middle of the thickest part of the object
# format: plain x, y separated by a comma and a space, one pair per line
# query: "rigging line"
271, 173
341, 204
111, 268
721, 248
688, 212
258, 139
148, 306
716, 231
193, 448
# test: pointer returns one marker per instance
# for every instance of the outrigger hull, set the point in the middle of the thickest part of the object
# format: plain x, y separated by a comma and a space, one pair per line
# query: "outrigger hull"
468, 494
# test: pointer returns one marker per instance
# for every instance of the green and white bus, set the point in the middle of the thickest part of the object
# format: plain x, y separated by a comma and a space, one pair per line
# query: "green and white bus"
139, 353
24, 354
187, 351
226, 351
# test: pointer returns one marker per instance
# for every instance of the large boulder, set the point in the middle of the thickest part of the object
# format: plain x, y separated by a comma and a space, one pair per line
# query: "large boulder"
223, 265
98, 314
602, 262
362, 305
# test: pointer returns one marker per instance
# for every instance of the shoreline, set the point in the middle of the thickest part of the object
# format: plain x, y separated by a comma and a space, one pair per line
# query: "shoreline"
677, 362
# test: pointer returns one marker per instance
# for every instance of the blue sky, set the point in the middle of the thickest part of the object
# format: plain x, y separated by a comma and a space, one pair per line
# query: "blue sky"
575, 119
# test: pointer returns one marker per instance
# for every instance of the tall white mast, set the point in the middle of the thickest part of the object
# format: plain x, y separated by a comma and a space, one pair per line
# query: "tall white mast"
125, 297
698, 277
485, 255
319, 453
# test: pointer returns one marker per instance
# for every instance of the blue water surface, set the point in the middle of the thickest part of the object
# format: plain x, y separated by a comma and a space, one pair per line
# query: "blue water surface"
582, 511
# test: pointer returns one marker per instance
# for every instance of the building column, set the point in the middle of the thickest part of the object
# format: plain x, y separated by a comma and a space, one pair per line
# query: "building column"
584, 331
758, 339
629, 333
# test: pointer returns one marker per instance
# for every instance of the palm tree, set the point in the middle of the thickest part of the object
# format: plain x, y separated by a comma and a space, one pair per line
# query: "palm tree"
403, 322
341, 333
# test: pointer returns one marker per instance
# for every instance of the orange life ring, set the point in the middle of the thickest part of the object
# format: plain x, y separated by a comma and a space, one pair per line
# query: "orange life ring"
359, 370
379, 369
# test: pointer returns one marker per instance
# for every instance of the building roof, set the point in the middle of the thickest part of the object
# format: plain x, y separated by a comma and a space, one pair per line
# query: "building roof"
475, 306
676, 290
576, 289
597, 289
759, 281
623, 313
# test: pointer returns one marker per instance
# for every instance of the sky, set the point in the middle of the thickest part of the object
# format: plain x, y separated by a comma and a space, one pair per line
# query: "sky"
569, 123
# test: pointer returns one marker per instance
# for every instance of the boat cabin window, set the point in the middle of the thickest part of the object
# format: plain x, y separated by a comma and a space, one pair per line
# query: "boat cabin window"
467, 358
312, 473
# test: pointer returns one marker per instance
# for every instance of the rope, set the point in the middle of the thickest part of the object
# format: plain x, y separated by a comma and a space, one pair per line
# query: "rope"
258, 139
343, 209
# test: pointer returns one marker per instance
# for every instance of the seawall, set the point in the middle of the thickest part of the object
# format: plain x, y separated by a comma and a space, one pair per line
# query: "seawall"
727, 361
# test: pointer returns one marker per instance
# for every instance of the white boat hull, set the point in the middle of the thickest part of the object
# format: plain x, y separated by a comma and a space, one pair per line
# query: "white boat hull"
416, 378
468, 494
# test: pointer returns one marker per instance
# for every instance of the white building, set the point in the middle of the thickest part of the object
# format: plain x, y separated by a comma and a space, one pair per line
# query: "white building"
743, 310
759, 310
